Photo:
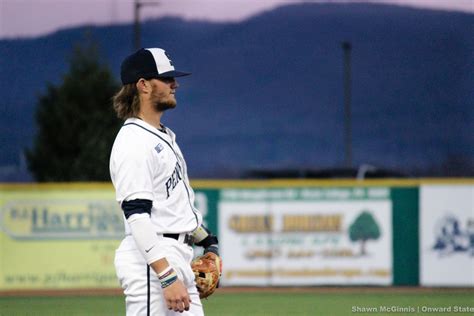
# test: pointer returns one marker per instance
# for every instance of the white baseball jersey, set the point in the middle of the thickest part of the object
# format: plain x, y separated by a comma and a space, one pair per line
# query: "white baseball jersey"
146, 163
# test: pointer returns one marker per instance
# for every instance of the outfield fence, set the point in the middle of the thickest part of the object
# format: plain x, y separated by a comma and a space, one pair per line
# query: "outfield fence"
272, 233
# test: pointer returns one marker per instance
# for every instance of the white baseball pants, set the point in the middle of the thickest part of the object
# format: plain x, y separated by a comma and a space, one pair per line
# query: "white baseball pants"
142, 289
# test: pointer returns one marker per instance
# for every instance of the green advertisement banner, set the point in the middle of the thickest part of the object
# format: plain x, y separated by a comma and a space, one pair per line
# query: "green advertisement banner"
306, 236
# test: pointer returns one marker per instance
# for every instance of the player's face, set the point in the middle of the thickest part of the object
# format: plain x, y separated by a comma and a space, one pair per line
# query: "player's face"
163, 93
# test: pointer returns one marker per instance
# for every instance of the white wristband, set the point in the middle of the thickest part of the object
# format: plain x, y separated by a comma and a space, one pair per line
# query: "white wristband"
162, 273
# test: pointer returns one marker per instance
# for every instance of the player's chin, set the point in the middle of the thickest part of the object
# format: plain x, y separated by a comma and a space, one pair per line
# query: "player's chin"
172, 103
166, 105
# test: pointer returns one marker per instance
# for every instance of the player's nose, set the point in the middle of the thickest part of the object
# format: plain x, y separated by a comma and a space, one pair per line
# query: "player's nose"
174, 84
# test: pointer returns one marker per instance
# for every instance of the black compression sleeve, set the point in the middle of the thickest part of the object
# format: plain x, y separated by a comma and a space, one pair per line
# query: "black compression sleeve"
137, 206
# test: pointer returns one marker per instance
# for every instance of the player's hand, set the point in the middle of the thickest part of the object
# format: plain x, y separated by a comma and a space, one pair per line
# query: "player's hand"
177, 297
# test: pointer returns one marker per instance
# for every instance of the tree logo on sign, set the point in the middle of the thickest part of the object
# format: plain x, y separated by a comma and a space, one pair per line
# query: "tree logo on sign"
364, 228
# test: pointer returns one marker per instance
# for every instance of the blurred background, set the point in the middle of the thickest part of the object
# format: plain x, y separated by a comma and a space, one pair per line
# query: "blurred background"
330, 143
279, 88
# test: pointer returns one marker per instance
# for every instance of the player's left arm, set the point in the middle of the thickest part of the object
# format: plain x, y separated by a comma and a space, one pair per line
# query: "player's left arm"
208, 267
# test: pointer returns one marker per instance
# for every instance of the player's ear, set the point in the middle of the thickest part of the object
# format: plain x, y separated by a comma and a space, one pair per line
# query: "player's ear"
142, 85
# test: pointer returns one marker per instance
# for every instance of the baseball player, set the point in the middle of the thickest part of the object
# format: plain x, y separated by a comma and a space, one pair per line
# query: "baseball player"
151, 181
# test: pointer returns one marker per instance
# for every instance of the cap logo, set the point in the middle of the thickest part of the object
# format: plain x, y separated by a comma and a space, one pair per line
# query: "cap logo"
169, 58
163, 63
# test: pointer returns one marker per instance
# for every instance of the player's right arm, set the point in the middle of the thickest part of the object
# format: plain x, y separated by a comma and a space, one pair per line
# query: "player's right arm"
132, 169
137, 213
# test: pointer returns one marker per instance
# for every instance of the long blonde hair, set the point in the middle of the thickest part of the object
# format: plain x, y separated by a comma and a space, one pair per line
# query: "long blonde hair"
126, 102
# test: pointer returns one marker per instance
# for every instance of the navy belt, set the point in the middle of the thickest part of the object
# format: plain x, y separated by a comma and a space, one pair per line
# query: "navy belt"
188, 239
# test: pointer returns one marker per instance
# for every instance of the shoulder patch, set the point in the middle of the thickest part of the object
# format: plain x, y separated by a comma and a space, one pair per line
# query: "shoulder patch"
159, 148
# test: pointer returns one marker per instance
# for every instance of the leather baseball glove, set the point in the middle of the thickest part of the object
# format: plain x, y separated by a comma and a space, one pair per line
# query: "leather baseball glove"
207, 271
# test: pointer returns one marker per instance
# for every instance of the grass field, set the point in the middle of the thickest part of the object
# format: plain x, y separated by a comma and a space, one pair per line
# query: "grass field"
243, 303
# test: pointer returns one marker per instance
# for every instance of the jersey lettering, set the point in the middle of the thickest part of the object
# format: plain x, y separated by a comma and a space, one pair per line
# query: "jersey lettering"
172, 181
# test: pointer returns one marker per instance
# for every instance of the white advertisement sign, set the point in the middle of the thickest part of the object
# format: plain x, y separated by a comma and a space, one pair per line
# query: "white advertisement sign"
447, 235
306, 236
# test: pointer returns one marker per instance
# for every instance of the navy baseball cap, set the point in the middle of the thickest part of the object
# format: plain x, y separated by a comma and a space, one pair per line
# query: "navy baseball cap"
148, 63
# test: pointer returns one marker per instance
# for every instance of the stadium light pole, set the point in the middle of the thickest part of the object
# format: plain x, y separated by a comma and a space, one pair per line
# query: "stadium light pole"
136, 25
347, 47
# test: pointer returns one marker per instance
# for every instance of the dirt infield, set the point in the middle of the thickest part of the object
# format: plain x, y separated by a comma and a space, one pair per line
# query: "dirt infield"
320, 290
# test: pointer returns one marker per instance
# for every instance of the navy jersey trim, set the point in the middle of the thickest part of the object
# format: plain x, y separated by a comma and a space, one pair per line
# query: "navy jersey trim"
177, 158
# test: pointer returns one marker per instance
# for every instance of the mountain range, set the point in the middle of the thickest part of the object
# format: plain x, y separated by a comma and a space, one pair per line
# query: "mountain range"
267, 93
